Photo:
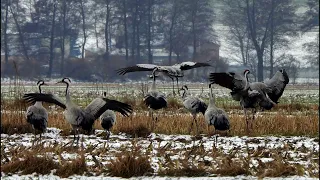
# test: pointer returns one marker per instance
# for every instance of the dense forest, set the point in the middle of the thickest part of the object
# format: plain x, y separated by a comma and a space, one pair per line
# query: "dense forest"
51, 38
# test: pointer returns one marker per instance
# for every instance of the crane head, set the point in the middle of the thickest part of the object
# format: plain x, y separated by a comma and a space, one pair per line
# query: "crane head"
65, 80
247, 71
41, 82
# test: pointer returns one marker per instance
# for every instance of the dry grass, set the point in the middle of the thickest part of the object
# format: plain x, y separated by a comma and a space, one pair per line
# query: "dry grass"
130, 163
76, 166
231, 167
169, 122
29, 164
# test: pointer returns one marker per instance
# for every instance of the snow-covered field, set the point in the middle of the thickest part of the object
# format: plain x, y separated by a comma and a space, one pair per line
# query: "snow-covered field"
302, 152
261, 156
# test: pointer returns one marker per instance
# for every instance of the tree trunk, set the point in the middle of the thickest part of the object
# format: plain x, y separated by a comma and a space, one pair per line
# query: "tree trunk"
21, 38
6, 50
271, 39
83, 28
96, 32
106, 30
150, 3
64, 9
173, 18
125, 29
194, 13
242, 51
51, 42
133, 39
253, 33
138, 21
260, 65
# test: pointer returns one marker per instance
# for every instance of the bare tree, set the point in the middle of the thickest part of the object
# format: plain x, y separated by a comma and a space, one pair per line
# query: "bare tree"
311, 17
83, 27
5, 34
106, 28
149, 38
21, 36
52, 40
124, 11
259, 26
235, 18
201, 17
64, 13
173, 16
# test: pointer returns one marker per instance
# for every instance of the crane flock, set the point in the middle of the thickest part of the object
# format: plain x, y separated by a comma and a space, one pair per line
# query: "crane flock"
251, 95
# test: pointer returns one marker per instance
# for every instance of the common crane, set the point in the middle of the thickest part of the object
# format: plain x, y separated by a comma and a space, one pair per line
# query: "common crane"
76, 116
174, 71
193, 104
37, 115
154, 99
252, 95
108, 119
216, 116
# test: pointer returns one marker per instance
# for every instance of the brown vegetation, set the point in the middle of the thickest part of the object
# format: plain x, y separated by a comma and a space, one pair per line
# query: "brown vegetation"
130, 163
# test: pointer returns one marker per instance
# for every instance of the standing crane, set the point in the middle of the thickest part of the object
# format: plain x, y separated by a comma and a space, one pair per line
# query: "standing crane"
216, 116
252, 95
154, 99
108, 119
174, 71
37, 115
193, 104
76, 116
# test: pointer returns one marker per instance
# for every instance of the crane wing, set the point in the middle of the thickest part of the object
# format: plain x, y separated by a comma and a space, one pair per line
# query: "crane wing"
277, 84
229, 80
49, 98
138, 67
99, 105
190, 65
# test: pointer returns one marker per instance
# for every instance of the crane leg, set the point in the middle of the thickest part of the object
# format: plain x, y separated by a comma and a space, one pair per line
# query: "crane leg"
107, 134
191, 126
178, 85
173, 86
195, 119
35, 135
253, 117
247, 120
216, 140
152, 121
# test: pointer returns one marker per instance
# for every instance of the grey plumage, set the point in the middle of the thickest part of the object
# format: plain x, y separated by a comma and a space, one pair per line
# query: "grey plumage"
216, 116
252, 95
154, 99
277, 84
108, 119
174, 71
76, 116
37, 115
193, 104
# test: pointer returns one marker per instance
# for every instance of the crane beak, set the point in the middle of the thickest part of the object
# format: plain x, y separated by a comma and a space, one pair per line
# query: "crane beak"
58, 82
45, 84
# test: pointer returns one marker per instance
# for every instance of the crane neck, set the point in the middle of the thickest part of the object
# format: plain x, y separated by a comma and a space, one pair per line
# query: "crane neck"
67, 93
153, 87
247, 81
39, 88
212, 99
185, 93
38, 103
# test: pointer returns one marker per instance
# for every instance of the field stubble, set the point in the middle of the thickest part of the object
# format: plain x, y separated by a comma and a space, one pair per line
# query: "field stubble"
292, 117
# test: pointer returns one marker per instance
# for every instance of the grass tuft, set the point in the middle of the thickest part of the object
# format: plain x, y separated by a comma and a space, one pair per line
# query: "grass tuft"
30, 164
130, 163
76, 166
